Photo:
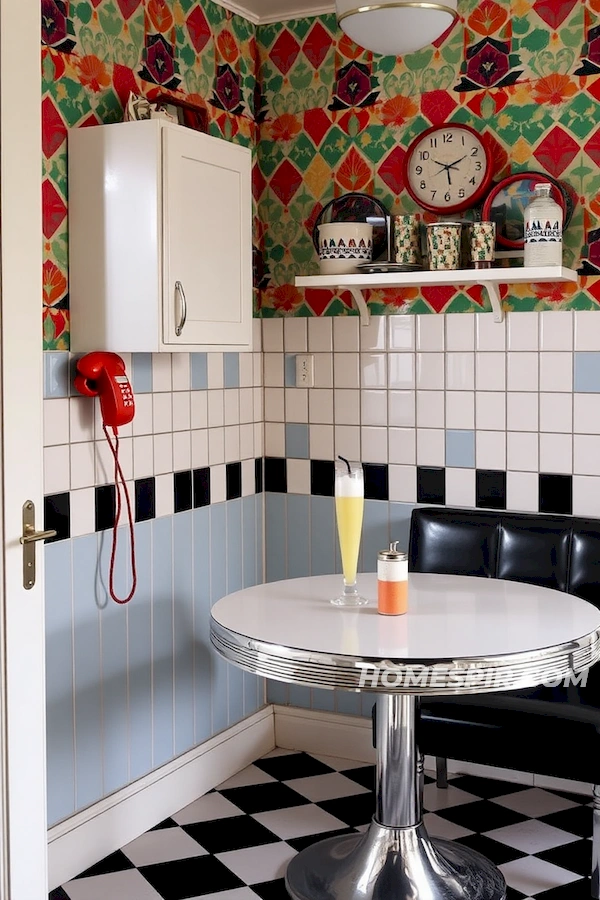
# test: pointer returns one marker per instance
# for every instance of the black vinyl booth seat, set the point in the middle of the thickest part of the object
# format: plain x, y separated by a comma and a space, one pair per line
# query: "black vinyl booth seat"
546, 730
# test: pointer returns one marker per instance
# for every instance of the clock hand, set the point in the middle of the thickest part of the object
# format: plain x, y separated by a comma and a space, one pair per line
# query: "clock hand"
454, 164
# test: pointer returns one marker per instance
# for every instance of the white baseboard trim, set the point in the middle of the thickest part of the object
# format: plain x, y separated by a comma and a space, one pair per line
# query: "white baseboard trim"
90, 835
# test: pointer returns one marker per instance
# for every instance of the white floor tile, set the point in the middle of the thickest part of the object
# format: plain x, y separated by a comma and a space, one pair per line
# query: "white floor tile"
211, 806
443, 798
532, 876
326, 787
534, 803
129, 884
442, 828
298, 821
531, 836
334, 762
243, 893
278, 751
257, 864
249, 775
162, 846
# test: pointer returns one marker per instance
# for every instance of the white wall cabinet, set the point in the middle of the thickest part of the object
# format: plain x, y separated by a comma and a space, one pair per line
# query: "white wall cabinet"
160, 239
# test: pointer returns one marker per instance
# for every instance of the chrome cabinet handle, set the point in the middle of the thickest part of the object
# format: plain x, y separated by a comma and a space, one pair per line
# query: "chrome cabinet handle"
179, 290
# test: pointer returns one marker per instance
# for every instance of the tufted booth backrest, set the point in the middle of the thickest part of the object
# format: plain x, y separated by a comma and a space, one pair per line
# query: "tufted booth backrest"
558, 552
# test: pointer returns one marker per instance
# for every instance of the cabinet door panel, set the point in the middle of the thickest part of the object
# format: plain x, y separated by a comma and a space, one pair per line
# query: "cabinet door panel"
207, 239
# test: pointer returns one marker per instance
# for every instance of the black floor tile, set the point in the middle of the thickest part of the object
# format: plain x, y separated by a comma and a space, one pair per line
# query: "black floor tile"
481, 816
293, 765
271, 890
302, 843
166, 823
576, 890
262, 797
365, 776
184, 878
576, 857
577, 820
495, 851
116, 862
356, 810
487, 787
57, 894
234, 833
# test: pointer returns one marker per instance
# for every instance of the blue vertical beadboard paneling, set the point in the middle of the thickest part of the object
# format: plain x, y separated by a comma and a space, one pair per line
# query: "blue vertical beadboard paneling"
299, 695
298, 535
202, 646
260, 537
139, 636
88, 672
183, 631
275, 536
162, 640
367, 701
322, 699
218, 589
113, 631
249, 540
347, 703
400, 514
322, 535
60, 750
234, 583
376, 533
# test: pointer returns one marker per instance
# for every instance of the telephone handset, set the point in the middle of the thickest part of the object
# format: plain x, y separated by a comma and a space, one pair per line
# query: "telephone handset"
103, 375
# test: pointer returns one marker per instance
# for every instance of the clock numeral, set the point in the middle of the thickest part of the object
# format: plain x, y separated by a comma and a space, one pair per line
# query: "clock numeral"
478, 166
448, 137
447, 196
433, 193
419, 170
463, 140
423, 185
423, 154
461, 194
433, 142
474, 151
472, 180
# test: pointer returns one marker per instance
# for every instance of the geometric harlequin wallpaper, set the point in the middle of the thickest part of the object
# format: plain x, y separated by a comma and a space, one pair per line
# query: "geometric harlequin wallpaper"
326, 118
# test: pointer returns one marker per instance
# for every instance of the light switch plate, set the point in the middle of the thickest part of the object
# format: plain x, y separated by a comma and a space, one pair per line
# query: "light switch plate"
305, 370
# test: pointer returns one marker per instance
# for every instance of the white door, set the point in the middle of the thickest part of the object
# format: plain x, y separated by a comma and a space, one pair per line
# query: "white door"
22, 693
207, 205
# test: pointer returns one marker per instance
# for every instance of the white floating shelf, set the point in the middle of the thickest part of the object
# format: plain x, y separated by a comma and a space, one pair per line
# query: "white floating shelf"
491, 279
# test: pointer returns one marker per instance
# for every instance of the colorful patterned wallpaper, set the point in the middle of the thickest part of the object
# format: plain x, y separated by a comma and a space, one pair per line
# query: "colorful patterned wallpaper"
94, 52
526, 73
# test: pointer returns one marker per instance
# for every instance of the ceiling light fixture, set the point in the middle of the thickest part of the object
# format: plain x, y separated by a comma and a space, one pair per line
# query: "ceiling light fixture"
397, 27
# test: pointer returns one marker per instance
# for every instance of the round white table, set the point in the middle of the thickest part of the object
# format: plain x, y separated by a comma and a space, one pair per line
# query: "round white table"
461, 635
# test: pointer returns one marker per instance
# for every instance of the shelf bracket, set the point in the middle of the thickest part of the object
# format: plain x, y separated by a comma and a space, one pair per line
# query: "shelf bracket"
493, 289
359, 301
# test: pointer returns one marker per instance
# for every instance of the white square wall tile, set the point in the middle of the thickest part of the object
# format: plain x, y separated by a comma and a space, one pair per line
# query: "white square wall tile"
556, 412
586, 454
430, 371
402, 446
373, 335
163, 453
295, 335
556, 330
430, 409
430, 333
199, 409
523, 330
199, 448
274, 405
163, 494
587, 329
321, 442
218, 484
431, 447
586, 413
460, 487
403, 484
231, 397
586, 495
401, 370
182, 451
162, 379
275, 439
401, 332
216, 446
522, 490
273, 369
374, 444
257, 369
296, 405
143, 456
257, 334
246, 406
490, 410
56, 469
216, 408
259, 438
460, 409
56, 421
83, 511
522, 411
272, 335
323, 367
347, 441
162, 413
142, 422
248, 477
374, 407
81, 419
522, 371
320, 334
460, 332
402, 408
214, 370
490, 449
346, 370
180, 371
489, 335
460, 371
320, 406
490, 371
522, 451
346, 406
346, 334
246, 441
232, 443
246, 370
373, 370
556, 372
181, 411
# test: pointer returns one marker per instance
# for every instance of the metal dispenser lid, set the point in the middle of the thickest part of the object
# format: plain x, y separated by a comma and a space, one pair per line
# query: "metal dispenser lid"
393, 554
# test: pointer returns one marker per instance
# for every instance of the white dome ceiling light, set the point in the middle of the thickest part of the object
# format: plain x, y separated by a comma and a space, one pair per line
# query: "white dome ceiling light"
396, 27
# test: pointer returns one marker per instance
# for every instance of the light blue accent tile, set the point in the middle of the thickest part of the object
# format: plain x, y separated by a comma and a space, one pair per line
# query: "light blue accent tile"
202, 656
56, 374
260, 563
60, 749
400, 514
139, 616
218, 589
296, 440
376, 533
249, 540
290, 369
587, 373
162, 639
367, 701
347, 703
299, 696
251, 693
322, 535
87, 670
278, 692
113, 626
199, 372
231, 370
234, 583
322, 699
298, 530
460, 449
141, 373
275, 536
183, 633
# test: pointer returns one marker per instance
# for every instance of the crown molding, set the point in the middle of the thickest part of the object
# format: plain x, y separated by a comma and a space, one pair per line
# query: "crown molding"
282, 13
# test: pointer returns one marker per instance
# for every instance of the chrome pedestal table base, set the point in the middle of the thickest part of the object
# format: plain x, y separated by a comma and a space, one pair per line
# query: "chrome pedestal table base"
395, 859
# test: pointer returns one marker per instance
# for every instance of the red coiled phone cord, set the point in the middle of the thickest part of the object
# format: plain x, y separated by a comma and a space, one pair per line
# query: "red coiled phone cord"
120, 480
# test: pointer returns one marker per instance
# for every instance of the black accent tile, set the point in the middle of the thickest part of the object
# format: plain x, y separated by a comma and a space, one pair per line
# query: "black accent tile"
355, 811
576, 857
233, 480
490, 489
258, 475
376, 482
233, 833
293, 765
145, 501
431, 485
182, 491
577, 820
322, 477
276, 474
57, 515
201, 487
105, 507
487, 788
364, 775
481, 815
193, 877
556, 494
116, 862
256, 798
493, 850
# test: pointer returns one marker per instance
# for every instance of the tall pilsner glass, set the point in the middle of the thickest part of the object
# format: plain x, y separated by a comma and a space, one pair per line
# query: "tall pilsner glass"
349, 506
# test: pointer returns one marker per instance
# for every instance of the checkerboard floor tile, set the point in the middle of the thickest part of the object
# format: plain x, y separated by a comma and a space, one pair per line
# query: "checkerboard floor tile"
235, 842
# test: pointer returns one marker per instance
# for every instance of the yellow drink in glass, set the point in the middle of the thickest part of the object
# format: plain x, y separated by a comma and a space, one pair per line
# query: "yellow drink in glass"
349, 508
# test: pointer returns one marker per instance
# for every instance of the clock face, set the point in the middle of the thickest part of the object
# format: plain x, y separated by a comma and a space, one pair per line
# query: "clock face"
447, 168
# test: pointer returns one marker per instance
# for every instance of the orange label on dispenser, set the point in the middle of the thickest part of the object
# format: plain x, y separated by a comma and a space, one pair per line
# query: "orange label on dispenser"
392, 597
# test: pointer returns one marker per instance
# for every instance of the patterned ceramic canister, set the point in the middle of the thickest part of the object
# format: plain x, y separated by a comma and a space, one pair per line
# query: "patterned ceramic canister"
483, 240
407, 240
342, 245
444, 244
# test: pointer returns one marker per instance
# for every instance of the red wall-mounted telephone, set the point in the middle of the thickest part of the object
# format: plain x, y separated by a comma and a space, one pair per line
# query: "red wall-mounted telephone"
103, 375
